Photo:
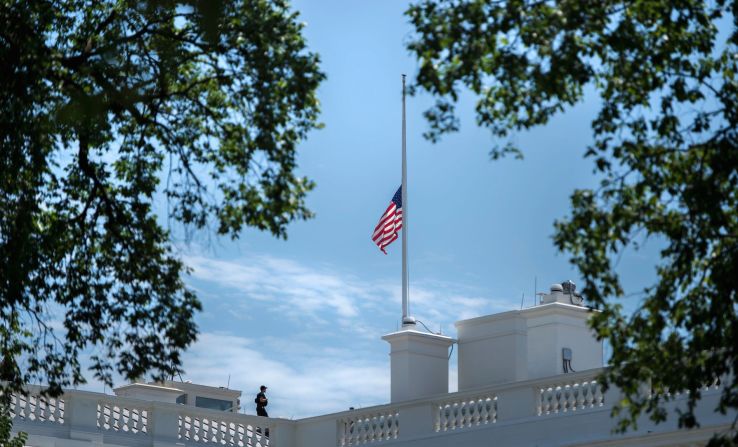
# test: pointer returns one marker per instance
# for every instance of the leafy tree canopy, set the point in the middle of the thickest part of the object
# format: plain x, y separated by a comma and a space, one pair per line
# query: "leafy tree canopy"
665, 146
100, 100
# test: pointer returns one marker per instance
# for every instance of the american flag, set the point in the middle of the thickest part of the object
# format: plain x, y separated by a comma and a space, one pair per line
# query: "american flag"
390, 223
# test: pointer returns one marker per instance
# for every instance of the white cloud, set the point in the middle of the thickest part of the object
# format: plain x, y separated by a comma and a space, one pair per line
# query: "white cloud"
310, 333
299, 290
327, 295
330, 380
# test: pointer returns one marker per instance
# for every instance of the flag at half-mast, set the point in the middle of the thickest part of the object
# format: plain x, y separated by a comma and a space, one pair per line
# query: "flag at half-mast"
390, 223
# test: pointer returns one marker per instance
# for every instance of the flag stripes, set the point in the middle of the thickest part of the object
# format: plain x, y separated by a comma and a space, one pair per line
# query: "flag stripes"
390, 223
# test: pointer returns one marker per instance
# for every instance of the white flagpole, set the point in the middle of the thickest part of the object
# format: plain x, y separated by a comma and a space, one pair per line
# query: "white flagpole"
406, 318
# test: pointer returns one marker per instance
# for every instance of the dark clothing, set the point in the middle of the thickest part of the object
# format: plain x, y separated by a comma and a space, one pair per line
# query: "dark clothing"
261, 409
261, 406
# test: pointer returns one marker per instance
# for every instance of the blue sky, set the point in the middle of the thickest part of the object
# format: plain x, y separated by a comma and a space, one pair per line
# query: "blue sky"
305, 316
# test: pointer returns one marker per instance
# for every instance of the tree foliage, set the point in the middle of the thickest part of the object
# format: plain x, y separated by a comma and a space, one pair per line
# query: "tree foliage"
665, 147
107, 108
7, 438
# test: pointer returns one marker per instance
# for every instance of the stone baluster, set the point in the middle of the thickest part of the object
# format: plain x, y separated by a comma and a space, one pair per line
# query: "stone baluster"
250, 434
476, 420
25, 409
598, 396
571, 400
42, 410
443, 417
484, 410
581, 392
370, 422
468, 408
343, 432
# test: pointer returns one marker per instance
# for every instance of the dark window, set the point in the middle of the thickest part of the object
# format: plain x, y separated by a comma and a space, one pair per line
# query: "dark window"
213, 404
182, 399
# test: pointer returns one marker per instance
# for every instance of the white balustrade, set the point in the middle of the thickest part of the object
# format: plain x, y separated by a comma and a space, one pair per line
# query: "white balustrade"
465, 412
226, 429
362, 428
130, 417
123, 421
113, 415
666, 393
37, 408
576, 395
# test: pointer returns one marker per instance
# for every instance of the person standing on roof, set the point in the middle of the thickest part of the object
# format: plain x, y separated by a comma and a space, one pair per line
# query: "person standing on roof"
261, 402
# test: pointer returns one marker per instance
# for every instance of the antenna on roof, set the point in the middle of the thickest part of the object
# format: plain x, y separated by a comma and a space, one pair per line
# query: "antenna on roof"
228, 385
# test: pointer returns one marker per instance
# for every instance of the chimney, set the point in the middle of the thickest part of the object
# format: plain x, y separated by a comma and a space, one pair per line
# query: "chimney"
545, 340
418, 364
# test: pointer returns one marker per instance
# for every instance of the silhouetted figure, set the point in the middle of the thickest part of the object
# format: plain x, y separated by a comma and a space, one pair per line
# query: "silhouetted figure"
261, 402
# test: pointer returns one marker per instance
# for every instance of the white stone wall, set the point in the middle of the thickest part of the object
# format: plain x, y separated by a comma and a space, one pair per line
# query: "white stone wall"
563, 410
524, 344
418, 364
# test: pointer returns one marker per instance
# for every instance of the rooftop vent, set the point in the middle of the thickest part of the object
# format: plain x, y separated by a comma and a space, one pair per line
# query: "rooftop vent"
569, 287
565, 292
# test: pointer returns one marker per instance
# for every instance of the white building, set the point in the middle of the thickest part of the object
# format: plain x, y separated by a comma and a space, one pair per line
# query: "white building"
525, 378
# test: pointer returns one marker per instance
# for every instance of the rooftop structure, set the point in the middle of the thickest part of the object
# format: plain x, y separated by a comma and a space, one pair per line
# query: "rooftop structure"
185, 393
